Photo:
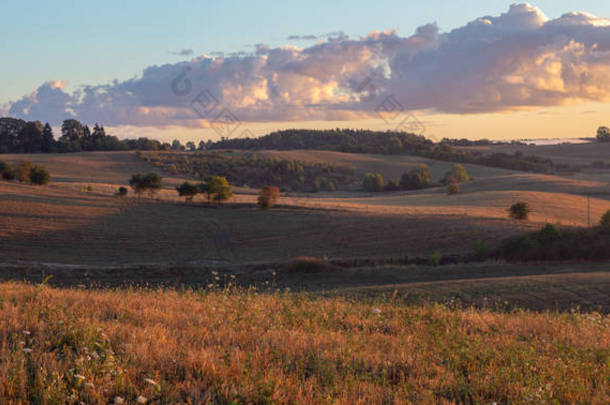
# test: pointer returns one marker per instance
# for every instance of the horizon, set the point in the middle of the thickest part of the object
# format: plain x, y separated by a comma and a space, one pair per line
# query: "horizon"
483, 70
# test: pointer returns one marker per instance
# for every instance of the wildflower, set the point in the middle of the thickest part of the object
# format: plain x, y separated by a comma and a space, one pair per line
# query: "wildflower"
89, 385
274, 273
21, 343
118, 400
233, 276
27, 350
217, 278
210, 285
79, 377
26, 332
214, 273
141, 400
376, 311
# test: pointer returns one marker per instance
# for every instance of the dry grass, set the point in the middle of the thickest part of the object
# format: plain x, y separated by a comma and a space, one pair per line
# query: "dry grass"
66, 346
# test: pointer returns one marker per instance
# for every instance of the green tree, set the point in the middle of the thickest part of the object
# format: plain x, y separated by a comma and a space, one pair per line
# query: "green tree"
416, 178
188, 191
39, 175
268, 196
520, 211
190, 146
218, 189
603, 134
457, 173
372, 182
146, 182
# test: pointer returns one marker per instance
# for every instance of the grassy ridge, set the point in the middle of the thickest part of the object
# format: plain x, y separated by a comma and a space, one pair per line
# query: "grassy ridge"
235, 346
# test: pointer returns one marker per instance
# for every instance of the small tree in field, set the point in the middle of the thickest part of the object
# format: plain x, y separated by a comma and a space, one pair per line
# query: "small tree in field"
603, 134
39, 175
519, 211
188, 191
149, 182
218, 189
122, 192
605, 221
453, 187
418, 177
457, 173
372, 182
268, 196
22, 171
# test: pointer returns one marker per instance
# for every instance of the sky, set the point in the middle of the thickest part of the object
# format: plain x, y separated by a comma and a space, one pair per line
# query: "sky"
473, 68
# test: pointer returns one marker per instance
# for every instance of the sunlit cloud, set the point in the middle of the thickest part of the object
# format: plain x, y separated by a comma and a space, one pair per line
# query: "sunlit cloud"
518, 60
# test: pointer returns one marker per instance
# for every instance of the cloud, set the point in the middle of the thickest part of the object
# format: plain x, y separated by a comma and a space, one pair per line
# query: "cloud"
519, 59
302, 38
183, 52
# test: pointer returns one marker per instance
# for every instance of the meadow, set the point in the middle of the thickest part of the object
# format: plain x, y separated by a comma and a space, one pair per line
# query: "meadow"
226, 346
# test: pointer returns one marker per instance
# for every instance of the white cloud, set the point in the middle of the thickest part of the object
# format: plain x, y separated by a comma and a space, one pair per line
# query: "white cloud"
495, 63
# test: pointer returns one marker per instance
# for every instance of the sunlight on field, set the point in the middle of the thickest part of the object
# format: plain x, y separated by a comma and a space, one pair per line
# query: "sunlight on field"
249, 347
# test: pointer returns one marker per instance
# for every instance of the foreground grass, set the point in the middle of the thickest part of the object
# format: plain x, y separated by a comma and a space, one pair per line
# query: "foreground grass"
68, 346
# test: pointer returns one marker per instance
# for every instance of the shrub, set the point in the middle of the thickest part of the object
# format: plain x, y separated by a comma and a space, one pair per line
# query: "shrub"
603, 134
268, 196
372, 183
3, 166
188, 191
519, 211
122, 192
605, 221
8, 173
480, 249
457, 173
548, 234
392, 185
22, 171
39, 175
418, 177
435, 258
150, 182
453, 187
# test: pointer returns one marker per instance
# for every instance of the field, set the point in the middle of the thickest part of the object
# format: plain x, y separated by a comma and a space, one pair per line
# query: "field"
105, 297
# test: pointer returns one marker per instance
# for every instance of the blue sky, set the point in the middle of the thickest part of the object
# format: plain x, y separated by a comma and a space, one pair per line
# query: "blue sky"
88, 42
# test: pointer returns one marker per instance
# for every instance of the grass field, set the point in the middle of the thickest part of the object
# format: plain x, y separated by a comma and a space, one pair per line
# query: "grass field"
223, 346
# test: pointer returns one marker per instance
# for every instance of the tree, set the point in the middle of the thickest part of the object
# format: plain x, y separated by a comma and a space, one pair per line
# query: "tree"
190, 146
122, 192
150, 182
418, 177
268, 196
30, 138
458, 173
372, 182
72, 135
218, 189
603, 134
392, 185
605, 221
177, 146
48, 141
453, 187
39, 175
519, 210
395, 146
201, 146
22, 171
188, 191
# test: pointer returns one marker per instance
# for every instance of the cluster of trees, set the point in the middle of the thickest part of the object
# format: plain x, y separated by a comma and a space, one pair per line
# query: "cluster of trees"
552, 243
254, 170
142, 183
603, 134
25, 172
19, 136
388, 142
216, 188
268, 196
416, 178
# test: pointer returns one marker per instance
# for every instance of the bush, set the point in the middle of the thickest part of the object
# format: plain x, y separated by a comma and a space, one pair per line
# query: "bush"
188, 191
457, 173
605, 221
453, 187
519, 211
150, 182
22, 171
548, 234
268, 196
218, 189
480, 249
392, 185
372, 182
435, 258
122, 192
418, 177
603, 134
39, 175
8, 173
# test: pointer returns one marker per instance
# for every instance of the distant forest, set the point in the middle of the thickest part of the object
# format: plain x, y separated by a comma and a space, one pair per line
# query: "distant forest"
19, 136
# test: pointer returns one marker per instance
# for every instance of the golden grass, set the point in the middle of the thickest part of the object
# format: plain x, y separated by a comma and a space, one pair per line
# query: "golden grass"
66, 346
